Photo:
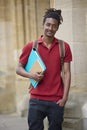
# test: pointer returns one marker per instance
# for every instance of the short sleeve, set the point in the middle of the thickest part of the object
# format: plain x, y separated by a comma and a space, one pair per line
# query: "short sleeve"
25, 53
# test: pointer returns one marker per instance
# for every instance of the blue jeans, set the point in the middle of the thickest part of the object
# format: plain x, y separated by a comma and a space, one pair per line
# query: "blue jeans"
39, 109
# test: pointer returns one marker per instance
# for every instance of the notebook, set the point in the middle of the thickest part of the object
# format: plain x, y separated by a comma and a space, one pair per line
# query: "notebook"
34, 64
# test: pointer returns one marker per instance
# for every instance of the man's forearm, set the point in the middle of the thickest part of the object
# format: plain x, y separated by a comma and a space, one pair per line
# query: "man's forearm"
20, 71
67, 81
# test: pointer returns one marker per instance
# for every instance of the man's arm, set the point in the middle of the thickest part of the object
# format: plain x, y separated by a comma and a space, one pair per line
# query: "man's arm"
21, 71
67, 81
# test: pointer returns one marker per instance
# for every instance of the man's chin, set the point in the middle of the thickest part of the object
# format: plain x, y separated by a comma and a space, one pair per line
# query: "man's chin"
50, 36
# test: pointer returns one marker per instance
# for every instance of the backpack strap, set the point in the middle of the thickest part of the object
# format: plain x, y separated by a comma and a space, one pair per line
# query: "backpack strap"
62, 51
35, 45
62, 55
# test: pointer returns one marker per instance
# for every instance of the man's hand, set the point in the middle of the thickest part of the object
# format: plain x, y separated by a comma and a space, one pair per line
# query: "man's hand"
62, 102
37, 76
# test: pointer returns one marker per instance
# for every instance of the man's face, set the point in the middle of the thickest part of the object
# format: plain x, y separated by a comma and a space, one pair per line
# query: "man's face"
50, 27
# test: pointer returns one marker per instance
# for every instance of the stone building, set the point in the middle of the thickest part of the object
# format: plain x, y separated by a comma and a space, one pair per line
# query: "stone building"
20, 22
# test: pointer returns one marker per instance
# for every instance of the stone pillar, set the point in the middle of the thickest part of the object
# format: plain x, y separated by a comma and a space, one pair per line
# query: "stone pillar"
80, 41
19, 22
7, 75
74, 31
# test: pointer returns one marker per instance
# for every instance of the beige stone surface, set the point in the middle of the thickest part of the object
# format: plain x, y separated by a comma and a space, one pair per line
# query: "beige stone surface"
74, 31
20, 22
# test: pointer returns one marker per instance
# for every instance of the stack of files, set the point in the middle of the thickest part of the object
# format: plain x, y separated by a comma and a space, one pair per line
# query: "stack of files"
34, 64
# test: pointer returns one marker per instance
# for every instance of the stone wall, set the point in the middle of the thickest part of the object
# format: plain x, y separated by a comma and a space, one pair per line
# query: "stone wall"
7, 74
20, 22
74, 31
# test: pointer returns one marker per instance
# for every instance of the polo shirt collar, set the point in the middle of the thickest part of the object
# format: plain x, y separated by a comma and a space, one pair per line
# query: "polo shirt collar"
40, 40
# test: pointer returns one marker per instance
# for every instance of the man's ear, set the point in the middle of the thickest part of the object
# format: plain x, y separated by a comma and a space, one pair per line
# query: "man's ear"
58, 27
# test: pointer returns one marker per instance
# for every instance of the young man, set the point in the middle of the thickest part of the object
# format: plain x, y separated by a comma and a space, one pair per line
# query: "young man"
49, 97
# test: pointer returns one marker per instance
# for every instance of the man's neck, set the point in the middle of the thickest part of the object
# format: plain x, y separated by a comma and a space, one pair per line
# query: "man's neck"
47, 40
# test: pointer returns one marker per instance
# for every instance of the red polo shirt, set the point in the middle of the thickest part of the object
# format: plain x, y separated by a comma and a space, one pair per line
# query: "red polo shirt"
51, 86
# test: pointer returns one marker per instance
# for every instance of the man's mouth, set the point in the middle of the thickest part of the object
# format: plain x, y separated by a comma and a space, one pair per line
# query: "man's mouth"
49, 32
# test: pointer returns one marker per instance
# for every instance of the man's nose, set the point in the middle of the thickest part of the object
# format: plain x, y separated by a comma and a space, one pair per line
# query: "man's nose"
50, 27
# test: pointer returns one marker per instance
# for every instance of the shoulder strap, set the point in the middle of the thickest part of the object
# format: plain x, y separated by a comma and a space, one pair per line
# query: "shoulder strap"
62, 51
35, 45
62, 55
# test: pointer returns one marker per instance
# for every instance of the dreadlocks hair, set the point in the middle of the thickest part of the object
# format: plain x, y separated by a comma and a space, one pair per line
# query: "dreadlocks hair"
53, 13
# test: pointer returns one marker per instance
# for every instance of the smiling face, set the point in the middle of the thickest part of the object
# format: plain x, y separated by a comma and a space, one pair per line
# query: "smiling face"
50, 27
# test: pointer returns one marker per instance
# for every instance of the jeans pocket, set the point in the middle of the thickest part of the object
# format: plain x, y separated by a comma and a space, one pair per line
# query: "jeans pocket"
33, 102
62, 107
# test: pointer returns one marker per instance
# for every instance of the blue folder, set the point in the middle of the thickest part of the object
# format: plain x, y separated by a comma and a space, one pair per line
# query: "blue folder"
32, 59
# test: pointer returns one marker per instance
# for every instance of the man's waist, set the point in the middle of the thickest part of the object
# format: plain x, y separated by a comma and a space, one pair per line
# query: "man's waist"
46, 98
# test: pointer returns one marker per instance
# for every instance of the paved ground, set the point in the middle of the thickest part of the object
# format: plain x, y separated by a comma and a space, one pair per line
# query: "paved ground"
14, 122
10, 122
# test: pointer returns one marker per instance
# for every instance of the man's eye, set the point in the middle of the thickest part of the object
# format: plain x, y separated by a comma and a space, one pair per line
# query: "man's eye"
48, 24
54, 26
